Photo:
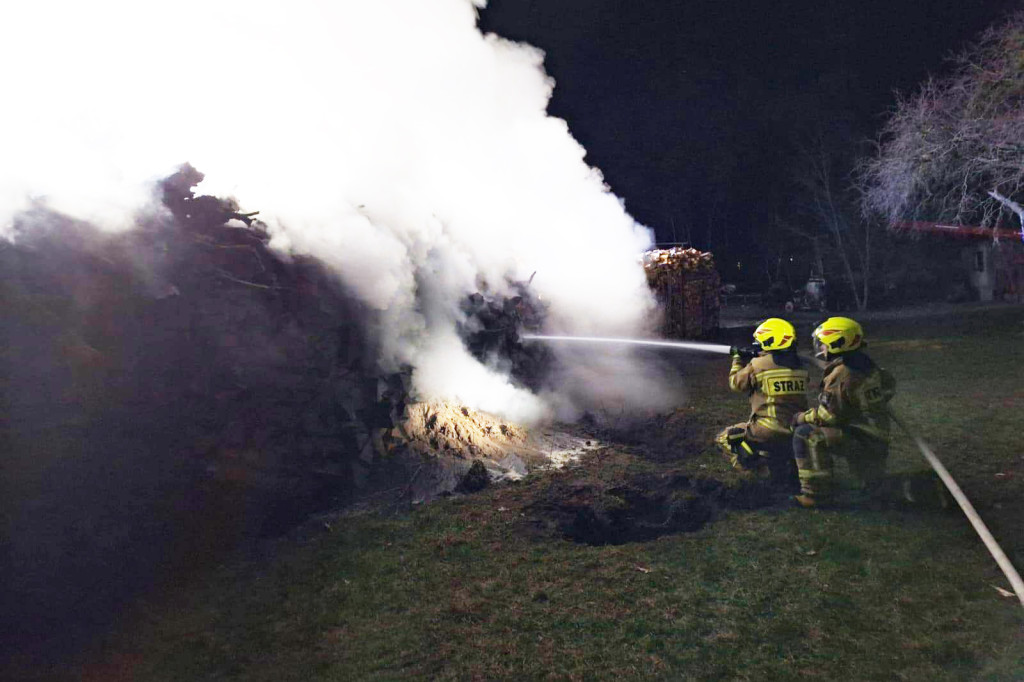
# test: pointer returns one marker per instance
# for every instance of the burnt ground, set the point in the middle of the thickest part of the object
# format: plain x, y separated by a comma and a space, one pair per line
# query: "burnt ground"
641, 507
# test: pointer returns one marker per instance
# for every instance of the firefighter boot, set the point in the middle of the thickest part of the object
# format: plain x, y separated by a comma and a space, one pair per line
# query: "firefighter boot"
733, 443
813, 465
924, 491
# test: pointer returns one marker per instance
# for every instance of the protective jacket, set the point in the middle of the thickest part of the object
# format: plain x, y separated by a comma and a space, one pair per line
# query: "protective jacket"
777, 385
854, 393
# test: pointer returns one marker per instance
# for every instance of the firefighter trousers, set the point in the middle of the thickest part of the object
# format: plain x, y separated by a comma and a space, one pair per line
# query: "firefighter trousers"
815, 448
760, 446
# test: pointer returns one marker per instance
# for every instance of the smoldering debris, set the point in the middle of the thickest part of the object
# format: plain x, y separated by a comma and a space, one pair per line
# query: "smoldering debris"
171, 393
182, 389
492, 330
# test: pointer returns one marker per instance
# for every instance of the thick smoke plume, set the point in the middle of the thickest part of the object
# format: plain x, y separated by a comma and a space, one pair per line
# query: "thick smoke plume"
389, 138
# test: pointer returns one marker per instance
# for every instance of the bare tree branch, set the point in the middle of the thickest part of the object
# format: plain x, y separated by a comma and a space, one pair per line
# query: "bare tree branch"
1012, 205
946, 150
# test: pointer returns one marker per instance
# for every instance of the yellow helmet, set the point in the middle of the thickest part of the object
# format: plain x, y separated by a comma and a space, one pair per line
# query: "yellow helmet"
837, 335
775, 334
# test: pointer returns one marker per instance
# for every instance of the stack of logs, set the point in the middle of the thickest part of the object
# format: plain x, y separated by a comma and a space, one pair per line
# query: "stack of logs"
686, 285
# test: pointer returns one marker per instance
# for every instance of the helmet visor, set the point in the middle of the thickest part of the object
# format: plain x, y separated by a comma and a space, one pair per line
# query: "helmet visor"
820, 349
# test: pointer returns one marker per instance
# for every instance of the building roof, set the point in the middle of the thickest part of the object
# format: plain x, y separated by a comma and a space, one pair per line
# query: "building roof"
962, 231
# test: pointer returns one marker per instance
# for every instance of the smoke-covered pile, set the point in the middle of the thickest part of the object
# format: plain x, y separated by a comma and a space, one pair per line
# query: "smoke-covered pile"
389, 138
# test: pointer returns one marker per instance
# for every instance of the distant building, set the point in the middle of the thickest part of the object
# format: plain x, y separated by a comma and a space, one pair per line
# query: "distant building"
991, 261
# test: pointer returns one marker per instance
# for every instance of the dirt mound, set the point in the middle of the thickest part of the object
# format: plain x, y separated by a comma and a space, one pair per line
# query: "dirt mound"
642, 508
455, 445
449, 439
433, 427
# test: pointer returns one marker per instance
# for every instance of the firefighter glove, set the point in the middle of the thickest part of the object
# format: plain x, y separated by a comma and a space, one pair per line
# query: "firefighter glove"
744, 353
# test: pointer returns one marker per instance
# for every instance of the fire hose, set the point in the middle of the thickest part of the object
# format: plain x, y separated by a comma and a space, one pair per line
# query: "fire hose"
972, 515
658, 343
965, 504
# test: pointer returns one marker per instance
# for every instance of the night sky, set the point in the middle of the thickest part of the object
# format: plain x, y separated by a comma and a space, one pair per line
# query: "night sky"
693, 109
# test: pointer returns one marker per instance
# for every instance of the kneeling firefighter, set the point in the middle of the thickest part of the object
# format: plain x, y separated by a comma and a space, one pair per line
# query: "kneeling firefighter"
776, 381
851, 418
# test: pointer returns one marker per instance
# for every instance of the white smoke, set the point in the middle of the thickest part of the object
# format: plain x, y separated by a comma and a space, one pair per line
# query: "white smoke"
390, 138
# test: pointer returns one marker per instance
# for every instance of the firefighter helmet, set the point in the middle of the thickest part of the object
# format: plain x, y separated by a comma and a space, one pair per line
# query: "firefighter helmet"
775, 334
837, 335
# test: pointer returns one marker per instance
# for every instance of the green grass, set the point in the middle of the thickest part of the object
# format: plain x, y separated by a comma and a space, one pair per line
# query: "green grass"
460, 589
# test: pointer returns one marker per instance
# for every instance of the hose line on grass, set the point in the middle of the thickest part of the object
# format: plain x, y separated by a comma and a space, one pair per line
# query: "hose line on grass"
990, 542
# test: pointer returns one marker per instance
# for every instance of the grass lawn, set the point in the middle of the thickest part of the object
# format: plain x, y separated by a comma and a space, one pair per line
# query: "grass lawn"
469, 588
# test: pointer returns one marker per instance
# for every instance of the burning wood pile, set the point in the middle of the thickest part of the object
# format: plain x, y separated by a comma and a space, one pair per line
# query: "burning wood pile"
291, 396
686, 285
180, 389
213, 371
172, 392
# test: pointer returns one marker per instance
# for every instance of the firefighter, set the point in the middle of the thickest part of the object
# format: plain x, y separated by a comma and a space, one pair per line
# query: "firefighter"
776, 381
851, 418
